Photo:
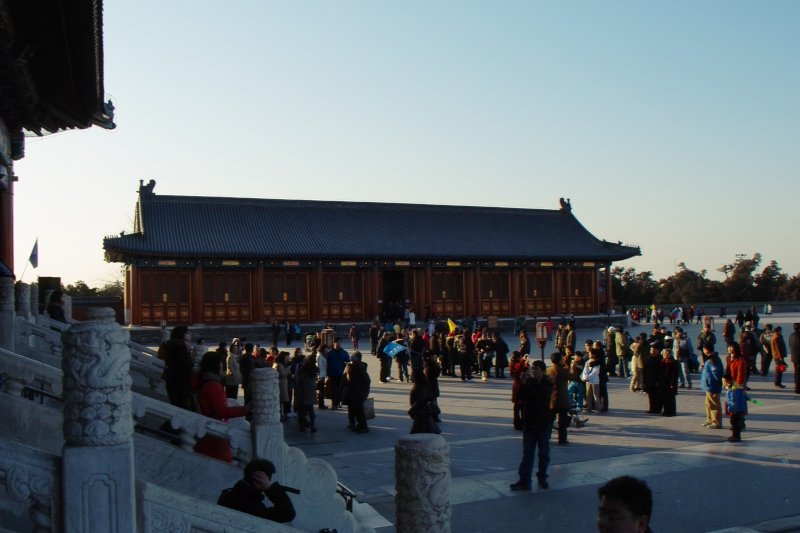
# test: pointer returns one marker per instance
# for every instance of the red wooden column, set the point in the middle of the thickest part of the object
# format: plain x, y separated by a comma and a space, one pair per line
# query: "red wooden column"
595, 295
196, 316
477, 297
609, 297
568, 275
258, 294
7, 224
428, 288
376, 291
318, 294
524, 291
514, 291
133, 277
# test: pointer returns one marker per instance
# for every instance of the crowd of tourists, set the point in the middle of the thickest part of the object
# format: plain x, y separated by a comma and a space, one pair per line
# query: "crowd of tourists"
322, 374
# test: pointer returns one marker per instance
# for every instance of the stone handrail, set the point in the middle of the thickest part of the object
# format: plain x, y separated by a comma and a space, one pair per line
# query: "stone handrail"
191, 426
45, 321
19, 372
143, 349
31, 336
44, 344
32, 481
147, 372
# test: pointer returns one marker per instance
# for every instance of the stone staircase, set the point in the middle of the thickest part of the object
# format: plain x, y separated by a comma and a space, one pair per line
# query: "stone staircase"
171, 488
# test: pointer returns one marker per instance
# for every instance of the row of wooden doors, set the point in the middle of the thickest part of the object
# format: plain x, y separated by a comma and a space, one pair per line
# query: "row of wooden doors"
228, 295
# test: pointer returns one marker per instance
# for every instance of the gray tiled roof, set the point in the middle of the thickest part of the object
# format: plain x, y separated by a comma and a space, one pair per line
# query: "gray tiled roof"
196, 227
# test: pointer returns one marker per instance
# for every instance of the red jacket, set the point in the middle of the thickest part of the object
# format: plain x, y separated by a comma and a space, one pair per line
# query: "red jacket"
214, 404
738, 370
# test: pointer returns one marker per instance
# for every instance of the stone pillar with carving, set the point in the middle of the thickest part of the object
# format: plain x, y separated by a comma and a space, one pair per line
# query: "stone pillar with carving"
422, 483
67, 299
265, 423
6, 312
98, 473
22, 303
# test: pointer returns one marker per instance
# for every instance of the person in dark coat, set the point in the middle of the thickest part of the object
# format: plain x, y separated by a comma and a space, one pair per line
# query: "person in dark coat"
432, 371
213, 403
305, 392
421, 401
559, 401
794, 353
500, 355
668, 384
178, 368
652, 379
246, 366
55, 307
535, 392
356, 389
247, 496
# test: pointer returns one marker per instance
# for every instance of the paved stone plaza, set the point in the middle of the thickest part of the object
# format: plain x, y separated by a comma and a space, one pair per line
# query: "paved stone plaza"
700, 482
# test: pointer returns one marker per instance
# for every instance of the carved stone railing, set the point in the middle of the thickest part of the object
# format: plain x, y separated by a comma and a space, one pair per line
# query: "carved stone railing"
316, 479
31, 482
191, 426
18, 372
165, 510
42, 343
147, 372
44, 320
33, 338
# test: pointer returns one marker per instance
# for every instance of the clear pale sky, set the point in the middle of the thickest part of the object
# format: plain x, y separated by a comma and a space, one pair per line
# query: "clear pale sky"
672, 125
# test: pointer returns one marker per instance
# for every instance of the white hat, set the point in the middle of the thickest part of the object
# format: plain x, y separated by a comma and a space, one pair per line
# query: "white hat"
611, 329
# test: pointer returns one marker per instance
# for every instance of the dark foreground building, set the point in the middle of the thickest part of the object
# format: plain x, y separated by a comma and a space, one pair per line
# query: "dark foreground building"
215, 260
51, 80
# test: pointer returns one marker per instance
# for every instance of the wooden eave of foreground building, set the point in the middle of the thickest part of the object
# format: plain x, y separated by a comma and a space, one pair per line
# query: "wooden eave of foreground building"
51, 66
51, 79
350, 258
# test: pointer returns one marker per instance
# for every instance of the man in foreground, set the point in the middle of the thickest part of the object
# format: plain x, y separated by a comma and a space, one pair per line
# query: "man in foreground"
535, 392
625, 506
248, 494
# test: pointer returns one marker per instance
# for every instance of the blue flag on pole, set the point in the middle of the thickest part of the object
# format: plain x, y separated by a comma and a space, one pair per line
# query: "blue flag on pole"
34, 258
393, 349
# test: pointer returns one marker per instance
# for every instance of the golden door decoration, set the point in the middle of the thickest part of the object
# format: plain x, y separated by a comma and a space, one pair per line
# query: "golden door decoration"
226, 296
165, 295
495, 293
342, 295
540, 293
447, 293
286, 295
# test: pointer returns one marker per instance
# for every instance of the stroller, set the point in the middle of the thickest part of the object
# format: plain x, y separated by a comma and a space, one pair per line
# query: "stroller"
576, 414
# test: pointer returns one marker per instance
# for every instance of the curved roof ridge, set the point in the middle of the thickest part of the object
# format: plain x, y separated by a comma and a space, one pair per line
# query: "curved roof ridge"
294, 202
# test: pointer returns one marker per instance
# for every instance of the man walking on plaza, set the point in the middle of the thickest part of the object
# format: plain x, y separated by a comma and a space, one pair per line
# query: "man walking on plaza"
535, 392
794, 351
778, 352
711, 384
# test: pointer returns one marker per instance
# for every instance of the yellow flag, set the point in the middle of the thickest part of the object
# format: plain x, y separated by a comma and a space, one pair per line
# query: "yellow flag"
452, 325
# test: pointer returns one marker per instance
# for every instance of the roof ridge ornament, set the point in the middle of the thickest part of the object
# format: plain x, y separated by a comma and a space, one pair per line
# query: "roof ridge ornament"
147, 190
566, 206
